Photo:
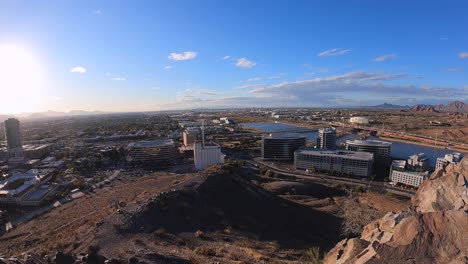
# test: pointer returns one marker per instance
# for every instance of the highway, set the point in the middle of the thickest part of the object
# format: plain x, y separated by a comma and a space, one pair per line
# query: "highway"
403, 134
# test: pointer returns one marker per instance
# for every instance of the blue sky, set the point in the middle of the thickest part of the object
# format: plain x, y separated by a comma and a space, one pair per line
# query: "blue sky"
156, 55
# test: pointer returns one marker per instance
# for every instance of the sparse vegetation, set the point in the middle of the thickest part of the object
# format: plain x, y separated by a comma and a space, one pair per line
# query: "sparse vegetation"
312, 255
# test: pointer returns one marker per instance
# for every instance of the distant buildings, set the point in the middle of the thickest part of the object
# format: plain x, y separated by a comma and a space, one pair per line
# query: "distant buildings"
326, 138
359, 120
418, 162
226, 121
12, 133
157, 151
281, 146
190, 136
380, 149
205, 155
447, 159
399, 174
339, 161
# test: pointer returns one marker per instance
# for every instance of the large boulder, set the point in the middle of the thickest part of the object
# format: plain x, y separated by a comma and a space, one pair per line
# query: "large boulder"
433, 230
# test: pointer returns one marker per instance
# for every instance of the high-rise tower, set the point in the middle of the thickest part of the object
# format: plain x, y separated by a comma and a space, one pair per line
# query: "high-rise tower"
327, 138
12, 133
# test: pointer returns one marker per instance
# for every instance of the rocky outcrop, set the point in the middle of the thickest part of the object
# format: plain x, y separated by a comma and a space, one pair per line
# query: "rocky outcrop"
453, 107
433, 230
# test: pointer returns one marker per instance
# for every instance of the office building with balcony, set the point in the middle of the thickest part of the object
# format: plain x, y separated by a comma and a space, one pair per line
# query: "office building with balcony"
447, 159
326, 138
147, 152
281, 146
399, 174
380, 149
339, 161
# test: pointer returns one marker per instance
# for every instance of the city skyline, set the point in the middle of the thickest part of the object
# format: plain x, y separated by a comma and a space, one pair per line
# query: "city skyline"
167, 55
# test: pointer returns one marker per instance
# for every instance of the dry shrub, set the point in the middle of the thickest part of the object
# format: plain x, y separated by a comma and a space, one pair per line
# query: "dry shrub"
356, 216
199, 234
160, 232
205, 251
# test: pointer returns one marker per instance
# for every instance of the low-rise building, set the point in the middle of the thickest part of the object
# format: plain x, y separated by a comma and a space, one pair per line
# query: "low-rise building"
339, 161
359, 120
400, 174
156, 151
447, 159
190, 136
25, 189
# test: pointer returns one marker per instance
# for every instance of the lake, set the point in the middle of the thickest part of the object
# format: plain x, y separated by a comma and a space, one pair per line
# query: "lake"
399, 150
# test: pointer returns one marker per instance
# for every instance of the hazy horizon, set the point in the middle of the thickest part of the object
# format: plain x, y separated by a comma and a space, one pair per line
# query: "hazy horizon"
176, 55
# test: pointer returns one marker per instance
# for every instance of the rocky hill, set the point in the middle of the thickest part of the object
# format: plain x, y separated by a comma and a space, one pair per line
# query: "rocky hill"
453, 107
433, 230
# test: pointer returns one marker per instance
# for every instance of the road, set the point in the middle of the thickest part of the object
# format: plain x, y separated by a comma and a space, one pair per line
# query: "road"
402, 134
323, 178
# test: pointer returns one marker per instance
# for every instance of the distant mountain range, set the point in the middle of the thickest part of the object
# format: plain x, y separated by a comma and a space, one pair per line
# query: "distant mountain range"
52, 114
453, 107
387, 106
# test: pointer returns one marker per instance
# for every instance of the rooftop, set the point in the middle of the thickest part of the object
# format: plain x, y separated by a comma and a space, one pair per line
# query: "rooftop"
342, 153
153, 143
284, 136
327, 130
399, 164
374, 143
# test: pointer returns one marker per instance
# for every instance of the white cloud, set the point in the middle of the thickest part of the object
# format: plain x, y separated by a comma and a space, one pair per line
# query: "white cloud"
78, 69
98, 12
207, 92
186, 55
119, 79
358, 85
463, 55
248, 86
226, 57
245, 63
254, 79
333, 52
168, 67
385, 57
454, 70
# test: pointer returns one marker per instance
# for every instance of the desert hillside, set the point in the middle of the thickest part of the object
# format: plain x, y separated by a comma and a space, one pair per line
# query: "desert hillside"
225, 213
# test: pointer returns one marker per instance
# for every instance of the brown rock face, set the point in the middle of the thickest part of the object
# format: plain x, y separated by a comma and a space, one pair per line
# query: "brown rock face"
434, 230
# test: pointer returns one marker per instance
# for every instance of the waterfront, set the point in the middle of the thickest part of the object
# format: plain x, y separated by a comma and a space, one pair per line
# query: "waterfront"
399, 150
280, 127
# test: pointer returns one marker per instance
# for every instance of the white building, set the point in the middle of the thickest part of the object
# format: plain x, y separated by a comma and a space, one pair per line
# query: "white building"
340, 161
447, 159
410, 178
359, 120
418, 162
398, 174
207, 155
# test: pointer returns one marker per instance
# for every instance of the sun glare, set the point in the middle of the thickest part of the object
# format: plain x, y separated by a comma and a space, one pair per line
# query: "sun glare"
21, 80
